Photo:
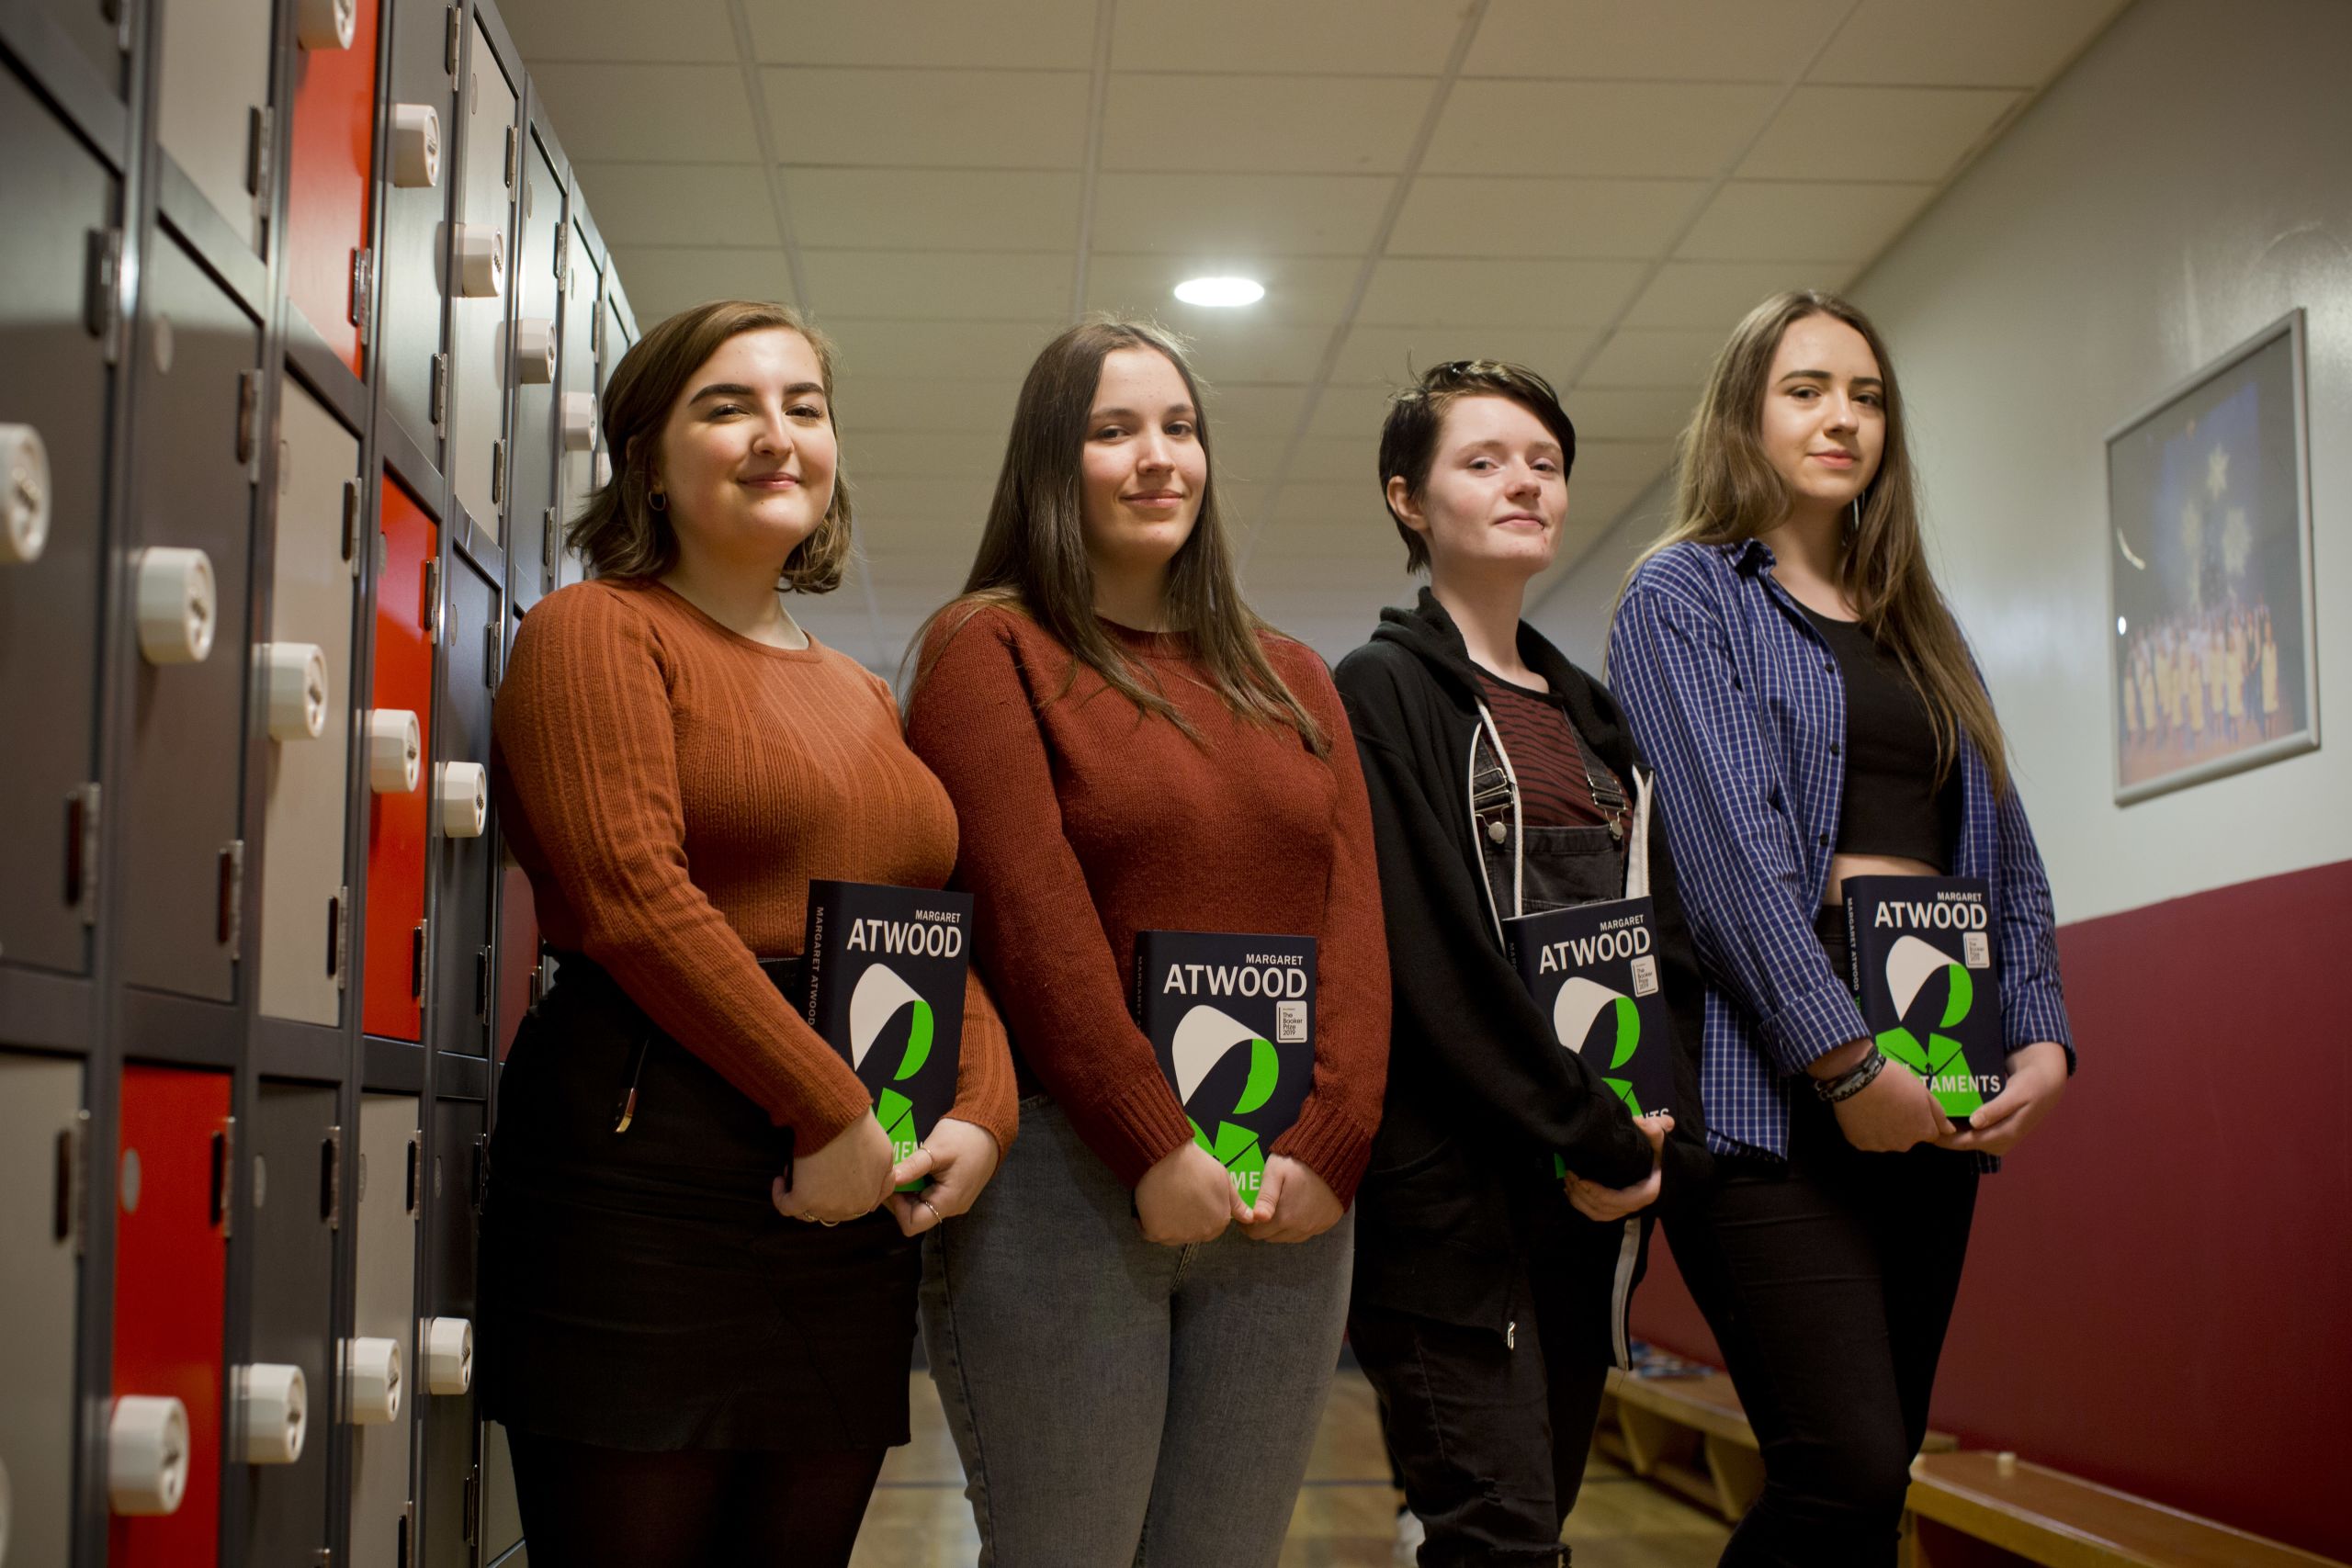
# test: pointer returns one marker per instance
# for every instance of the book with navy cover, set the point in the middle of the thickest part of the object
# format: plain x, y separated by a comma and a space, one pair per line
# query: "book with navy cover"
1592, 969
1231, 1017
1923, 974
886, 990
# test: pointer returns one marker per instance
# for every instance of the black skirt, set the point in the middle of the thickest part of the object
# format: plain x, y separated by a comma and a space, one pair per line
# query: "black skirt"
639, 1290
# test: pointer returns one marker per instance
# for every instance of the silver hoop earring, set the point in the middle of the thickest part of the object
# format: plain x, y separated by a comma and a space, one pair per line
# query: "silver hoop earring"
1854, 519
657, 501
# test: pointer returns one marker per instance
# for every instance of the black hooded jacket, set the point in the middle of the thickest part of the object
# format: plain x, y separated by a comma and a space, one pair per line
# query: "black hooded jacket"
1460, 1192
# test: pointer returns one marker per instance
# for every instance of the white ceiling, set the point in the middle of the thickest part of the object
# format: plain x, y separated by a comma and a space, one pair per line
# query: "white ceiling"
1597, 188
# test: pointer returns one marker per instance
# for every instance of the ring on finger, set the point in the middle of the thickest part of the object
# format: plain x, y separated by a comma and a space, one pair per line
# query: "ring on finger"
936, 1217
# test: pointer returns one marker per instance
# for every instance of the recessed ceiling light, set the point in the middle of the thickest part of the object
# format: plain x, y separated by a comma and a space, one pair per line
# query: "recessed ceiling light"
1220, 291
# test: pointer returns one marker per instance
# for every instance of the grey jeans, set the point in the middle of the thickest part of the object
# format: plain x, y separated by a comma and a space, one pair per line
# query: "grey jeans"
1118, 1404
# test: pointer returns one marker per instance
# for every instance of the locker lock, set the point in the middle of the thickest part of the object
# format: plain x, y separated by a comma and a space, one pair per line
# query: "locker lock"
462, 790
395, 750
147, 1454
535, 351
416, 146
294, 685
326, 24
274, 1406
578, 422
448, 1355
23, 493
371, 1370
482, 262
176, 604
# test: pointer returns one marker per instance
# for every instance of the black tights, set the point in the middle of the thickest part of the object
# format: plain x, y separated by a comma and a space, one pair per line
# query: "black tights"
585, 1506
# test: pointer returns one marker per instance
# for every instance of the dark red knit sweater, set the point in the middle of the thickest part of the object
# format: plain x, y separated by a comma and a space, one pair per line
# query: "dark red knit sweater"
1085, 821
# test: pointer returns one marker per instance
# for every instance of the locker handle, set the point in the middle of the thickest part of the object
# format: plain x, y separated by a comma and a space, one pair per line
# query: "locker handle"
416, 962
220, 1176
76, 810
61, 1223
416, 1159
335, 935
331, 1178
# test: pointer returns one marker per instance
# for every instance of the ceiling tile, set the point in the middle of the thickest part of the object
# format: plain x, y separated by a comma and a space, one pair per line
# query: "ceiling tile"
948, 119
623, 31
1300, 125
890, 345
1348, 458
685, 114
1300, 290
917, 454
1991, 43
1646, 357
1713, 296
1239, 217
680, 203
1255, 412
1631, 413
924, 403
1719, 40
1606, 467
937, 285
1774, 221
934, 209
1230, 352
665, 279
1321, 37
1407, 292
1653, 130
1468, 216
1394, 356
1053, 34
1350, 413
1329, 501
963, 502
1875, 133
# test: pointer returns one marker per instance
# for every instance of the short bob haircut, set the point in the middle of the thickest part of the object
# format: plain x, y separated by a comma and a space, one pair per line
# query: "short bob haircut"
619, 534
1416, 425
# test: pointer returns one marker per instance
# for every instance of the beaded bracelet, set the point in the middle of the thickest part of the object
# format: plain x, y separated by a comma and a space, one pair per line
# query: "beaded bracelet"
1851, 1082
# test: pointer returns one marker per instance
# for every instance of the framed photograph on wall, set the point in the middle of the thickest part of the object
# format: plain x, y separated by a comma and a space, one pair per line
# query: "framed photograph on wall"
2210, 573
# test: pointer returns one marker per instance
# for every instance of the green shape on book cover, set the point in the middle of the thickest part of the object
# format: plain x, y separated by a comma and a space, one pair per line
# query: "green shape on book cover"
1629, 1037
919, 1032
1265, 1071
1236, 1148
1625, 1089
1961, 998
897, 1114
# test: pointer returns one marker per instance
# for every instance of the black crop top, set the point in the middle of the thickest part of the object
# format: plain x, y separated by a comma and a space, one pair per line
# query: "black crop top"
1893, 806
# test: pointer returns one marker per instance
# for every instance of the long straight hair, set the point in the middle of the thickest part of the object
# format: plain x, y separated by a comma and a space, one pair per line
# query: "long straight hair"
1033, 552
1728, 491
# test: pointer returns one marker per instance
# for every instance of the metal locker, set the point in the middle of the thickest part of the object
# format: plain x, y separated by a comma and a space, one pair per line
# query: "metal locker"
577, 421
462, 858
380, 1361
304, 924
194, 440
396, 741
43, 1183
175, 1166
452, 1479
294, 1163
98, 32
415, 187
518, 954
502, 1516
212, 109
61, 201
536, 538
328, 268
480, 286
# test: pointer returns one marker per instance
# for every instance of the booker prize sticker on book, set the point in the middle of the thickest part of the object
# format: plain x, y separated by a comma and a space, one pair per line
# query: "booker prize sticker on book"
886, 990
1924, 975
1592, 969
1231, 1017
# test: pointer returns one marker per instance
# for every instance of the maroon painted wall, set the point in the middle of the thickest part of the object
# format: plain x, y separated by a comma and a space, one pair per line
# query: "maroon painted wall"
2159, 1292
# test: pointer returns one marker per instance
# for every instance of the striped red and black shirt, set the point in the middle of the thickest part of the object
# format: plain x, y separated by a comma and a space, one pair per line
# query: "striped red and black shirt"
1554, 790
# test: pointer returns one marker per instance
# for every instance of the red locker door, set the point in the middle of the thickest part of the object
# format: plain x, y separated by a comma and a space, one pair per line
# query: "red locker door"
327, 184
171, 1258
407, 616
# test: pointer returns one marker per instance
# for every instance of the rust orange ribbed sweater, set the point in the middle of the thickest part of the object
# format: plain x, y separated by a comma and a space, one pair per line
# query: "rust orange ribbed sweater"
670, 788
1085, 821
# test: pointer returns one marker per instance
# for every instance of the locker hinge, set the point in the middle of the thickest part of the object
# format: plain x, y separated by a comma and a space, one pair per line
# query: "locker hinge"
331, 1178
415, 1188
481, 1169
102, 297
82, 851
416, 961
407, 1533
449, 37
428, 617
118, 13
248, 419
224, 1173
498, 473
473, 1505
338, 934
547, 539
440, 395
351, 510
562, 244
72, 1220
513, 155
363, 289
258, 128
481, 984
231, 913
492, 654
324, 1558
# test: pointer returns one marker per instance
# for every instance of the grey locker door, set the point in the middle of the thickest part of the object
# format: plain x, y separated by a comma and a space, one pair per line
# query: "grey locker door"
384, 1307
478, 321
303, 888
451, 1432
501, 1518
178, 820
534, 537
92, 25
41, 1103
463, 868
53, 379
576, 475
409, 330
214, 82
294, 1152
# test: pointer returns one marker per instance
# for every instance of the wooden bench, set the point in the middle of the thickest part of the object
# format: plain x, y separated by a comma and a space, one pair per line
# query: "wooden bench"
1690, 1433
2060, 1522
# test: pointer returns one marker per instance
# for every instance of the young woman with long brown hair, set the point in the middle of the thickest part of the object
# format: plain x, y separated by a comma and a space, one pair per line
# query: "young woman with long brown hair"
698, 1287
1134, 1357
1792, 669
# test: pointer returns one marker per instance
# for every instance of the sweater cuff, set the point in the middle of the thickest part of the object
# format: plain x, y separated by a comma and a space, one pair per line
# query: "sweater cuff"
999, 1122
1331, 1145
1134, 1129
819, 1111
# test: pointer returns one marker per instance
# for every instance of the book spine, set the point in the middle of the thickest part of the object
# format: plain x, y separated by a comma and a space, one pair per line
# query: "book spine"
821, 924
1853, 948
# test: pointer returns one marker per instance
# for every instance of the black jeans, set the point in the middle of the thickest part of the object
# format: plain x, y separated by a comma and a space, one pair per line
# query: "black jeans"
1829, 1281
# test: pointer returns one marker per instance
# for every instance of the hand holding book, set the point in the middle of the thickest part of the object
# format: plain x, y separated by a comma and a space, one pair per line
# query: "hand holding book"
2037, 1078
944, 1177
1609, 1205
1295, 1204
845, 1179
1188, 1197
